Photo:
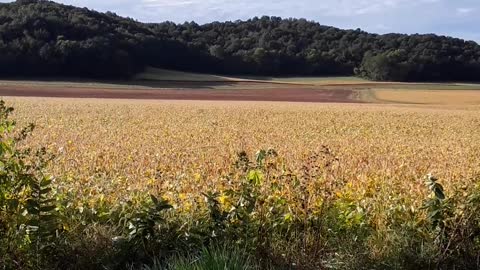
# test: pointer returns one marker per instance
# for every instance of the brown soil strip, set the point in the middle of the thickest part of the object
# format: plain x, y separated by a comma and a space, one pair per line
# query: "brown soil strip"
280, 94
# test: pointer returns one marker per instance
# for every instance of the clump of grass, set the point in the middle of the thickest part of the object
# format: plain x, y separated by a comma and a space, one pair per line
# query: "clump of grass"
216, 258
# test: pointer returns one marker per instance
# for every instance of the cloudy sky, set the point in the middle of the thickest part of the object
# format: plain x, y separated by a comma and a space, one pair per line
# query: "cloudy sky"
459, 18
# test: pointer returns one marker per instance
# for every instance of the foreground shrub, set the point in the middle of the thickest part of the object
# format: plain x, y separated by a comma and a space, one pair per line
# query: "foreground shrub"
28, 220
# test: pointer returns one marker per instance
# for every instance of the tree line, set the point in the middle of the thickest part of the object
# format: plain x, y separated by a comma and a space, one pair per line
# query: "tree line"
43, 38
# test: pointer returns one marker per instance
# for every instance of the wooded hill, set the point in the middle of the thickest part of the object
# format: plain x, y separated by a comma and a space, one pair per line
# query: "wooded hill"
42, 38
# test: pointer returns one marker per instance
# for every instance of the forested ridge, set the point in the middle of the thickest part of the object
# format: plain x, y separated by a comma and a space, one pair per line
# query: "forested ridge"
42, 38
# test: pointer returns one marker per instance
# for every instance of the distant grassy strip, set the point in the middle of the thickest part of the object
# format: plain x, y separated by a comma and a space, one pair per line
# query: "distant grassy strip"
321, 80
154, 78
156, 74
74, 83
440, 97
171, 75
439, 86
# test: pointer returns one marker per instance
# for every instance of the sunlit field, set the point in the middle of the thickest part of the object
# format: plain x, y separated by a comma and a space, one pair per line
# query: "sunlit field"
458, 97
369, 161
122, 146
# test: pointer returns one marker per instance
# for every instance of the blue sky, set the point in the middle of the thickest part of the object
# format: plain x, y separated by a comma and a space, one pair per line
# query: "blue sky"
459, 18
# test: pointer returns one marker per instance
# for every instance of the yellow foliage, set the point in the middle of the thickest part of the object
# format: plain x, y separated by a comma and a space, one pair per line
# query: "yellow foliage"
113, 151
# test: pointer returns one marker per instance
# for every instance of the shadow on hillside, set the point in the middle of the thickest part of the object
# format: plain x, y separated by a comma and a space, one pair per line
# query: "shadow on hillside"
130, 84
173, 84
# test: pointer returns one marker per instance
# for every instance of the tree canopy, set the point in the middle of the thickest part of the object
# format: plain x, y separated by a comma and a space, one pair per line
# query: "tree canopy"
42, 38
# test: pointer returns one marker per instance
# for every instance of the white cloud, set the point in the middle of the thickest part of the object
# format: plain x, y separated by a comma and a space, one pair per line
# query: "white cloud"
166, 3
382, 27
464, 11
326, 7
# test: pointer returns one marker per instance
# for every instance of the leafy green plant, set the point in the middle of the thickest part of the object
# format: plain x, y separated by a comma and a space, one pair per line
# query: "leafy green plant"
27, 205
41, 223
238, 222
144, 224
456, 224
149, 232
437, 206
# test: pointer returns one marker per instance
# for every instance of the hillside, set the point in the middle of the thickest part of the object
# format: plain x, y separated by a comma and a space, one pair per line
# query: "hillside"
42, 38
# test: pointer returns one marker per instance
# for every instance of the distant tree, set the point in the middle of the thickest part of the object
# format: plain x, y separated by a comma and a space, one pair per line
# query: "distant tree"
43, 38
388, 66
217, 51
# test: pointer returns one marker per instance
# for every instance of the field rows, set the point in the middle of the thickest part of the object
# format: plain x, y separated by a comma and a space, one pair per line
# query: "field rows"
112, 148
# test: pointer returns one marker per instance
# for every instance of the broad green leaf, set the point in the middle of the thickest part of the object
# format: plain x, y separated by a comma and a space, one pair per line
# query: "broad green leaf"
255, 177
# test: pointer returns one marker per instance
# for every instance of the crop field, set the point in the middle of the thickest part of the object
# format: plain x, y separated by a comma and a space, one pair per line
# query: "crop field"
367, 162
133, 141
330, 175
446, 97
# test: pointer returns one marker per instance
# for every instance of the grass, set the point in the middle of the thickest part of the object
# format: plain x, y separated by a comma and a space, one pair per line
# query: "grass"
453, 97
320, 80
157, 74
217, 258
429, 86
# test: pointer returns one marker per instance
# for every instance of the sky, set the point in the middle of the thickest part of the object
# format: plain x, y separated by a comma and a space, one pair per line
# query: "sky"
458, 18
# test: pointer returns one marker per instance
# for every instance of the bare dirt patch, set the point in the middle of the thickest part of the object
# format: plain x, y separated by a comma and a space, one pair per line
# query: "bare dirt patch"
290, 94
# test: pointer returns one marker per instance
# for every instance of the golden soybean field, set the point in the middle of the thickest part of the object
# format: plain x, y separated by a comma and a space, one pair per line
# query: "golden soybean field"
111, 150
